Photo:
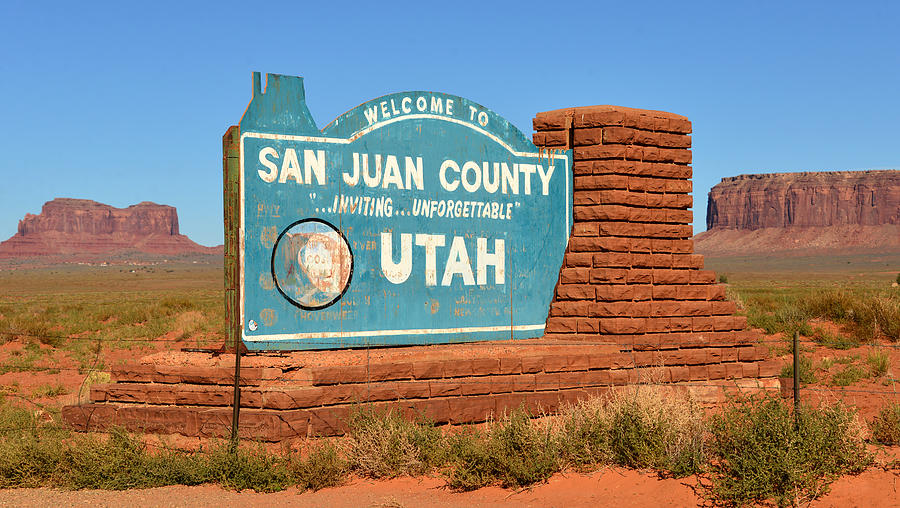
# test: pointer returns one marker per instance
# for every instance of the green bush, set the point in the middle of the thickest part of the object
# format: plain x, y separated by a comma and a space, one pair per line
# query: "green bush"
514, 452
886, 426
384, 444
759, 454
879, 362
848, 375
807, 370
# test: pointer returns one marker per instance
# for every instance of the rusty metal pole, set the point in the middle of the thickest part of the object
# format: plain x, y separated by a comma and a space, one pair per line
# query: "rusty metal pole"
796, 378
236, 412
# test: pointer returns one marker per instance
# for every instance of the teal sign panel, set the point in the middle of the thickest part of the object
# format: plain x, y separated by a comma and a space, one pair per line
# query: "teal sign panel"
415, 218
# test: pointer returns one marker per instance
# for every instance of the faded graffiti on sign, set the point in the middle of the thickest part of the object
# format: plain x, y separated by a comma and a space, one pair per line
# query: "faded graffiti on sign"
418, 217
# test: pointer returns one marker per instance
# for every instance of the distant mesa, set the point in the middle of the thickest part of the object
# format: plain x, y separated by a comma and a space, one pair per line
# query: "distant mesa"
836, 211
79, 227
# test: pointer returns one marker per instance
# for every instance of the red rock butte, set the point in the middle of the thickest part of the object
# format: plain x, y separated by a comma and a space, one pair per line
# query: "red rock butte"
80, 226
811, 211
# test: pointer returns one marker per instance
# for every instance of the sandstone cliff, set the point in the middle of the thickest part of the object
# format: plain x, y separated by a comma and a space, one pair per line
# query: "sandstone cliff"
81, 226
835, 210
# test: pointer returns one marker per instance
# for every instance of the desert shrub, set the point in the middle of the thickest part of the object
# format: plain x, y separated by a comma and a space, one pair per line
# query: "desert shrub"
879, 362
832, 340
885, 427
850, 374
649, 427
583, 433
252, 468
760, 454
723, 278
867, 315
514, 452
385, 444
807, 370
325, 466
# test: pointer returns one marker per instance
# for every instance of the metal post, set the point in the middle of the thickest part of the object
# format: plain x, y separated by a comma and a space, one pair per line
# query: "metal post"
796, 378
236, 411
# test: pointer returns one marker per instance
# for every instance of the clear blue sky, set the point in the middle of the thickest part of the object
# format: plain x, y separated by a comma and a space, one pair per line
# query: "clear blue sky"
123, 102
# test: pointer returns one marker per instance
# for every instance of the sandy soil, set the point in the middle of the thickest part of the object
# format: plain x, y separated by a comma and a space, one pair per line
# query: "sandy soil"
621, 487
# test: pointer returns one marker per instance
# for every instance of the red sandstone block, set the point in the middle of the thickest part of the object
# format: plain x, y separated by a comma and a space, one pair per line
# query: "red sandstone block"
502, 384
646, 184
769, 368
665, 308
681, 324
613, 292
612, 309
390, 371
531, 364
739, 322
612, 260
716, 292
658, 325
717, 371
682, 246
640, 309
664, 292
523, 383
569, 380
571, 308
641, 292
458, 368
733, 370
681, 260
665, 230
622, 325
680, 374
696, 261
622, 228
485, 366
662, 276
560, 324
574, 275
599, 361
476, 386
749, 370
471, 409
703, 277
692, 292
600, 182
428, 369
587, 244
609, 275
445, 387
643, 245
695, 308
679, 216
730, 354
676, 186
601, 152
639, 276
585, 229
722, 308
722, 323
588, 326
546, 381
576, 259
699, 372
575, 292
702, 324
510, 365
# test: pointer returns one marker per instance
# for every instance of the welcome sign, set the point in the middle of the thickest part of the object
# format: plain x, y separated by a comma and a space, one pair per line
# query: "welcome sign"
417, 217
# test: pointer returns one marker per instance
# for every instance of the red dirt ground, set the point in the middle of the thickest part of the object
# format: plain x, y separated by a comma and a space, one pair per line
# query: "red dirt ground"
611, 486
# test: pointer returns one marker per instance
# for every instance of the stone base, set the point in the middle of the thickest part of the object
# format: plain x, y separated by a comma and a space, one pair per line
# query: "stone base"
312, 393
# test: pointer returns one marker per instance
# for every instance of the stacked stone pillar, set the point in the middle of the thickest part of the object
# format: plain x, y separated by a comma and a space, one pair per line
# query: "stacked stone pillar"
630, 274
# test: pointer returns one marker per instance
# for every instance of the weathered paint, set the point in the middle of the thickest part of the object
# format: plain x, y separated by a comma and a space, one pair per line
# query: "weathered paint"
417, 217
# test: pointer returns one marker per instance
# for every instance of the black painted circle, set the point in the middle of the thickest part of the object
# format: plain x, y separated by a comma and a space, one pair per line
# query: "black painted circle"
312, 264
